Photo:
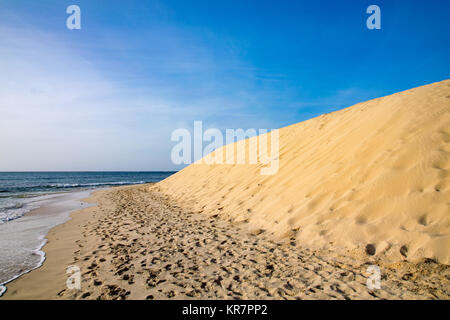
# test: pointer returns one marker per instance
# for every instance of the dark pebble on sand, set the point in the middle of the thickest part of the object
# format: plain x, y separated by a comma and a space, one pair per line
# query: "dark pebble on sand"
370, 249
404, 251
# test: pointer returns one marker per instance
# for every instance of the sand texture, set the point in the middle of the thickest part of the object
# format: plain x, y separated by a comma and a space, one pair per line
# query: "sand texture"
139, 245
376, 174
367, 185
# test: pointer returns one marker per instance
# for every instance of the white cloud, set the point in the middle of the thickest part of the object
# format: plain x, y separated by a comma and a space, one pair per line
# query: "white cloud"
61, 111
57, 111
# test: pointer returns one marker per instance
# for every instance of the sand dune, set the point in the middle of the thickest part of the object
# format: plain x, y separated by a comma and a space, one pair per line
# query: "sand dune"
136, 244
376, 174
370, 181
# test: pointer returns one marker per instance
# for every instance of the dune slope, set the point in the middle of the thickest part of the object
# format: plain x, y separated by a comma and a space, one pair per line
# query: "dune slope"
374, 173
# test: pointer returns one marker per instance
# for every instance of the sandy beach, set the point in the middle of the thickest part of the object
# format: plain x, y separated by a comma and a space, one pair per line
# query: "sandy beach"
211, 159
138, 244
363, 187
373, 174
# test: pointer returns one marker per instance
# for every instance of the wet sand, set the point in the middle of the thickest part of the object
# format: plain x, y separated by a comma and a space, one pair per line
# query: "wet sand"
139, 244
21, 240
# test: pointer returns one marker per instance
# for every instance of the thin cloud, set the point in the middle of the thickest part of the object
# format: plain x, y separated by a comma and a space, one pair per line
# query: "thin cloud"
60, 110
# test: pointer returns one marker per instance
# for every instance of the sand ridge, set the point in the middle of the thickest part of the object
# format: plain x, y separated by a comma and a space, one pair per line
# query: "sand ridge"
374, 174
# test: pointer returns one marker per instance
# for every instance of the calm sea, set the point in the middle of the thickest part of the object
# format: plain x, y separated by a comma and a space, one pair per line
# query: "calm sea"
22, 235
19, 190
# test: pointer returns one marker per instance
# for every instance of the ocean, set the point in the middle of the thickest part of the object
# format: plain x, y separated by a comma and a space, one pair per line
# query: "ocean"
23, 231
20, 190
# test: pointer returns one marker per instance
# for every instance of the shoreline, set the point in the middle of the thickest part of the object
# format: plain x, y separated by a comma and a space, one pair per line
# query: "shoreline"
42, 249
136, 243
41, 252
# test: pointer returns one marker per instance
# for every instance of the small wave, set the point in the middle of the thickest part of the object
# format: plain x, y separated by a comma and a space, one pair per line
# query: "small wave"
96, 184
9, 216
2, 290
15, 211
38, 252
25, 191
12, 207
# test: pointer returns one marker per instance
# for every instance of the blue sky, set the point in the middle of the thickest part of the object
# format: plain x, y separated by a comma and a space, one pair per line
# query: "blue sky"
108, 96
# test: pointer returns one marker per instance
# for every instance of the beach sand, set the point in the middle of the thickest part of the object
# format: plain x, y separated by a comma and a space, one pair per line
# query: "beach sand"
137, 244
375, 174
364, 186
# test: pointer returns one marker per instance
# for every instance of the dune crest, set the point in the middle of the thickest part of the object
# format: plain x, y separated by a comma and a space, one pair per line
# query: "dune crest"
371, 178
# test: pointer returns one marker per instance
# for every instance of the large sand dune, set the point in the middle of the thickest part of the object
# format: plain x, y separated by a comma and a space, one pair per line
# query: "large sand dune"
375, 173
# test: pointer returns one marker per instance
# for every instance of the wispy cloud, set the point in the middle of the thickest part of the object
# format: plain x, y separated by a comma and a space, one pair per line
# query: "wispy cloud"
62, 109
